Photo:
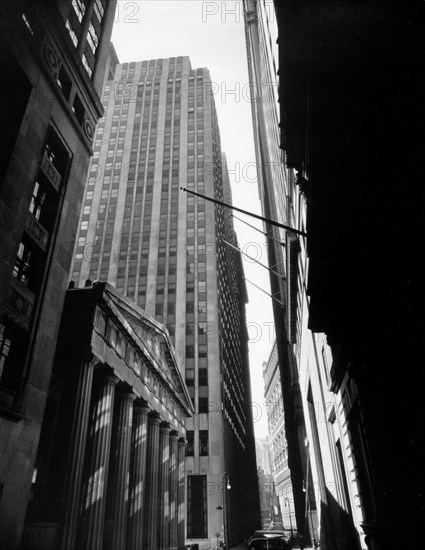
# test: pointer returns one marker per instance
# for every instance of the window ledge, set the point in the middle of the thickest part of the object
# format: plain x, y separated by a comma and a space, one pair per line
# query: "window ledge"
10, 414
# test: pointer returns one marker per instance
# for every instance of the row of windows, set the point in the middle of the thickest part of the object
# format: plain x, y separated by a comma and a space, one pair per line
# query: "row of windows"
74, 27
234, 405
30, 262
203, 443
202, 377
63, 79
151, 67
202, 351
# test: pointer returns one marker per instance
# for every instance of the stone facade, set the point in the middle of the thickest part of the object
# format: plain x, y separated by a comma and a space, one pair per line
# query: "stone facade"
49, 109
281, 474
117, 409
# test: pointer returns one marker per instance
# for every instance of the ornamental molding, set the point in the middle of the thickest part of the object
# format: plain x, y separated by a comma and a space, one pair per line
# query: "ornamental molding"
51, 57
88, 127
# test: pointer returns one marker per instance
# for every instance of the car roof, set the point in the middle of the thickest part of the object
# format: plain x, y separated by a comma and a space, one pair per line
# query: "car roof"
261, 536
269, 533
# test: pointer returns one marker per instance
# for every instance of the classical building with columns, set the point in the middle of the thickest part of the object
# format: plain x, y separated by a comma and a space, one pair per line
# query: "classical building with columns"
110, 466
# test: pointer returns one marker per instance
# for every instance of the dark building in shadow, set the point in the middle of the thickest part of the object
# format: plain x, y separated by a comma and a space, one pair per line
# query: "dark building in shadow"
53, 57
352, 111
347, 295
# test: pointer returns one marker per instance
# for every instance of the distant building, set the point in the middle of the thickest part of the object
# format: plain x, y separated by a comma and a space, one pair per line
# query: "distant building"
271, 516
170, 252
52, 57
280, 472
262, 450
270, 508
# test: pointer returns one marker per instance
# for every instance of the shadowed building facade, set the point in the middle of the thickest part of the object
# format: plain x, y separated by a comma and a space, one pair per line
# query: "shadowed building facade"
350, 93
165, 249
351, 88
53, 59
309, 426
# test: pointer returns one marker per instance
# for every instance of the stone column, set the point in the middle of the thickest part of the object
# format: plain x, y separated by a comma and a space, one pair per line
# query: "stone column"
118, 496
77, 450
164, 487
152, 478
139, 446
94, 505
181, 493
174, 478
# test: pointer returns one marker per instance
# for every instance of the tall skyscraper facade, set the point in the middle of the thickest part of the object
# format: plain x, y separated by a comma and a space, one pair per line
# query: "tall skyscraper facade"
53, 63
275, 188
166, 250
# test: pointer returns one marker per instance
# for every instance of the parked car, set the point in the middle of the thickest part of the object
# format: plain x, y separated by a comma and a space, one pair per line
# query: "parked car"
268, 540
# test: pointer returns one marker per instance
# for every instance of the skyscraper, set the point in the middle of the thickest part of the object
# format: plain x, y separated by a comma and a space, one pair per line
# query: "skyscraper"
279, 202
167, 250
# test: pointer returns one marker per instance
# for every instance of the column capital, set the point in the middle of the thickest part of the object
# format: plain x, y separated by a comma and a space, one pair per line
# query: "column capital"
106, 374
111, 379
141, 405
126, 392
182, 442
165, 427
174, 436
154, 418
87, 357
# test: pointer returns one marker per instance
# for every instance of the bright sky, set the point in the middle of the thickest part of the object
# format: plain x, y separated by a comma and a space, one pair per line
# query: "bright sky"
212, 34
